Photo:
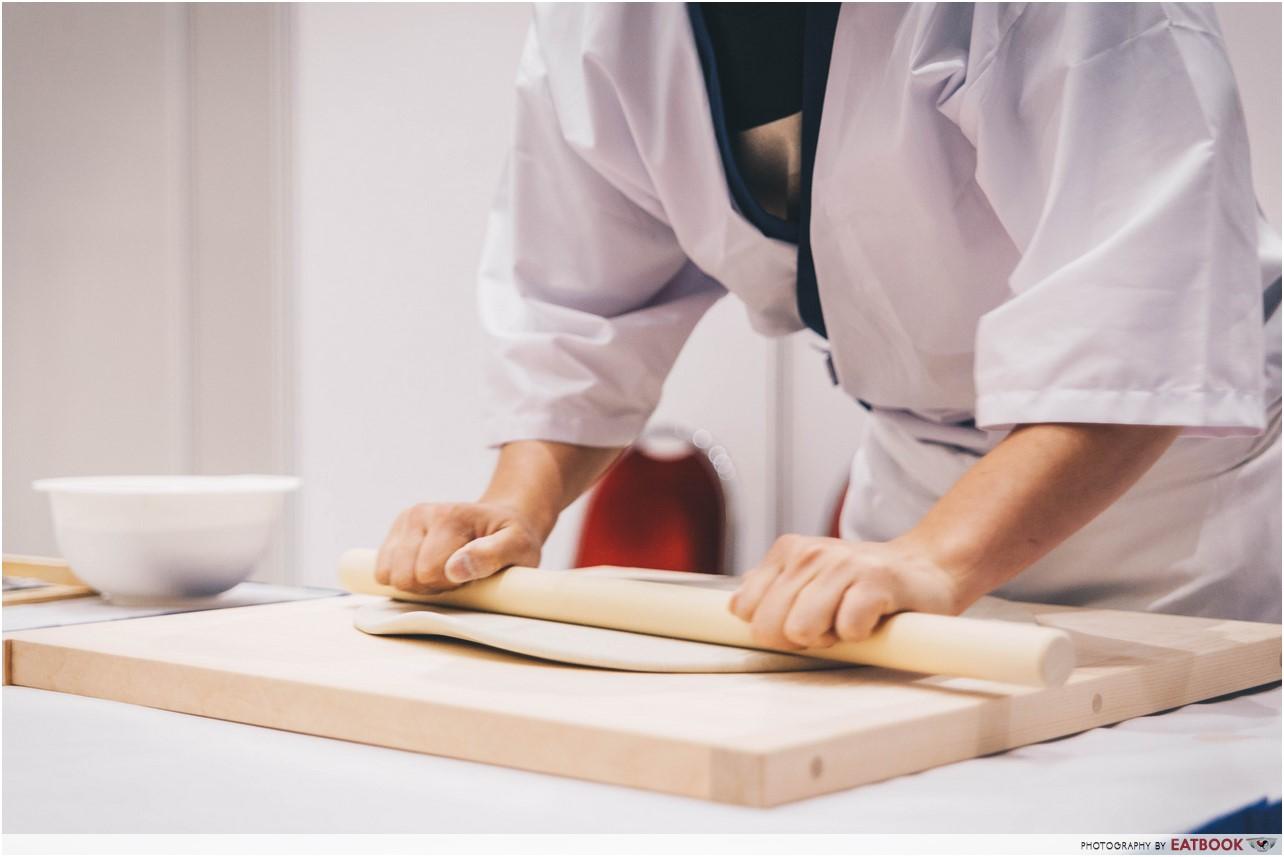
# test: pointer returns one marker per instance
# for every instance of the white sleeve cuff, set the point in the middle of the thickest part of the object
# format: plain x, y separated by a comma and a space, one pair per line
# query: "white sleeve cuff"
1203, 413
604, 432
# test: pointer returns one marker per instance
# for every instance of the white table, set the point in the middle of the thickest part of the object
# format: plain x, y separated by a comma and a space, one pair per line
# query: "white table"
78, 765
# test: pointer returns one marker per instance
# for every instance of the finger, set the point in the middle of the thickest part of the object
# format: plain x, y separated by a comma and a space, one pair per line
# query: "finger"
401, 556
810, 622
383, 568
768, 625
758, 580
861, 608
754, 586
783, 547
487, 555
381, 564
442, 540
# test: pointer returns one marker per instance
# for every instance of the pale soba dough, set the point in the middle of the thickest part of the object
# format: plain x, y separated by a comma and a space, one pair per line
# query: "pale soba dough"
606, 648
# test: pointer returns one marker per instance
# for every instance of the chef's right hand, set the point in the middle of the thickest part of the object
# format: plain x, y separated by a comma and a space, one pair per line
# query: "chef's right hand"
437, 546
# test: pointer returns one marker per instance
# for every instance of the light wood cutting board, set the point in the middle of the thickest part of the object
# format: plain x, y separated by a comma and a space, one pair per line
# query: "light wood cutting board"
59, 581
758, 739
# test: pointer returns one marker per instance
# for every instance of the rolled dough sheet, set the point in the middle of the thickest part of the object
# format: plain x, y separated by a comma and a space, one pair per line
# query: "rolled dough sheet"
603, 647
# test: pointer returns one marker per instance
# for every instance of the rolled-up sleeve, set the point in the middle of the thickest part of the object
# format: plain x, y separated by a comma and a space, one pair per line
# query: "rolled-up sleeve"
1111, 144
583, 288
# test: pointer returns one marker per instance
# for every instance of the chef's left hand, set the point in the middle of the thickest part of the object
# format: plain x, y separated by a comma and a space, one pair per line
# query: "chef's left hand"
811, 591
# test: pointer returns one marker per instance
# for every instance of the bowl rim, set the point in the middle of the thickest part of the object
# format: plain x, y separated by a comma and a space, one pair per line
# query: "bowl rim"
170, 484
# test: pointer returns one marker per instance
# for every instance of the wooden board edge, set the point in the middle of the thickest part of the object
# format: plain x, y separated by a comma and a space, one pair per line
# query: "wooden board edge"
603, 755
47, 568
52, 592
737, 777
1005, 723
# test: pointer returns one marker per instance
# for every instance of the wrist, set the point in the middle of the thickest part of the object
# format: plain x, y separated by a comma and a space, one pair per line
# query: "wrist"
958, 564
538, 515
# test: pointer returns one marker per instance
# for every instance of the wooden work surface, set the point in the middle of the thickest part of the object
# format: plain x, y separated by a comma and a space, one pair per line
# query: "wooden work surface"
60, 582
757, 739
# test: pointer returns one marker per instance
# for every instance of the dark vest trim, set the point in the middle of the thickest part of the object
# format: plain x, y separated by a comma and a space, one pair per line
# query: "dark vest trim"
821, 23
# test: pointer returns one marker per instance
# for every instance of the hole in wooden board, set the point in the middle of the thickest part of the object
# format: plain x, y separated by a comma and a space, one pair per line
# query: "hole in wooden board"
817, 767
1096, 703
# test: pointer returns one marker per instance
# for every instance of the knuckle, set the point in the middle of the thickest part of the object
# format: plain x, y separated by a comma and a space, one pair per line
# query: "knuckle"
876, 574
518, 540
839, 575
848, 622
852, 631
769, 635
857, 622
527, 539
781, 547
431, 580
802, 633
396, 565
743, 606
430, 513
426, 580
802, 565
421, 553
789, 542
791, 570
426, 570
810, 553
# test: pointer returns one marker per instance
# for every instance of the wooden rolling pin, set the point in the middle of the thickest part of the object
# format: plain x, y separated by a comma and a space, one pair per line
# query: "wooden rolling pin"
919, 642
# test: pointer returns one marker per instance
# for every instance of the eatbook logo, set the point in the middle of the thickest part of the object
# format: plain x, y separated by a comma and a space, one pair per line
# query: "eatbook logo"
1261, 844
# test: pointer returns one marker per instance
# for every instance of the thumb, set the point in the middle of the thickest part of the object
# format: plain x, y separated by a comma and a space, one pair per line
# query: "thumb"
485, 556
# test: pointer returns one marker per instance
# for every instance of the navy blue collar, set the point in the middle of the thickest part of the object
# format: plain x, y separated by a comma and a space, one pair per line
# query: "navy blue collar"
766, 222
821, 23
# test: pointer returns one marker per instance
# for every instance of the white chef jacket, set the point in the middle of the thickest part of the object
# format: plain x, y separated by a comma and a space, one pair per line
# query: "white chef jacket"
1021, 213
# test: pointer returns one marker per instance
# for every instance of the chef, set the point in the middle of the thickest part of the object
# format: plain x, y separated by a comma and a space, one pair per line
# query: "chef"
1028, 233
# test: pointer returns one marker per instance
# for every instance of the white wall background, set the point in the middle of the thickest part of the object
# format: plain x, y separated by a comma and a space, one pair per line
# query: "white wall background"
144, 265
402, 114
94, 318
244, 237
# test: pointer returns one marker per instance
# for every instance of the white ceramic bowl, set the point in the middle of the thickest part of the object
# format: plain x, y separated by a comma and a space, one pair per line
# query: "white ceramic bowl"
147, 539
